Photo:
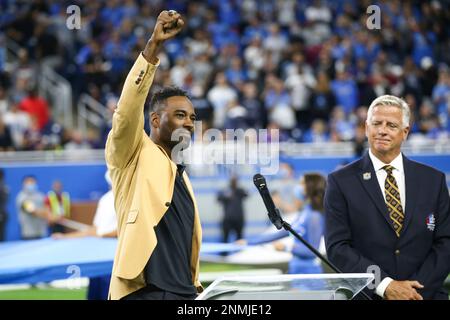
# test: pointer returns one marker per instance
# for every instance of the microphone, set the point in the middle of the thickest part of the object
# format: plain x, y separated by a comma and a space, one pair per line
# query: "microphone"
275, 218
273, 212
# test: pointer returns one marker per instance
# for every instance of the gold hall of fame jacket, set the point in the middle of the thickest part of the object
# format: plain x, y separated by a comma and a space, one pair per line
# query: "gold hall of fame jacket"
143, 179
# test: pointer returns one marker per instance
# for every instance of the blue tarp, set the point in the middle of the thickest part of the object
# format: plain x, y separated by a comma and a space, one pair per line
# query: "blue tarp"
47, 259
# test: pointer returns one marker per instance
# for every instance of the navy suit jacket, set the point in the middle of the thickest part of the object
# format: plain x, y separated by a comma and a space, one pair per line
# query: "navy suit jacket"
359, 233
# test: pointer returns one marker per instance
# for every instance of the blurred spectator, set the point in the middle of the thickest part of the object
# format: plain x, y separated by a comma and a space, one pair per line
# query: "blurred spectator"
76, 141
255, 113
116, 51
283, 116
345, 91
3, 100
275, 41
441, 94
6, 142
179, 72
309, 224
276, 93
241, 41
299, 82
44, 45
24, 76
199, 44
360, 140
33, 138
19, 122
428, 76
235, 73
4, 194
33, 216
322, 100
36, 107
57, 202
254, 57
276, 134
236, 116
286, 12
411, 100
317, 133
201, 69
428, 118
2, 52
278, 103
318, 12
104, 226
96, 66
376, 85
343, 129
105, 220
288, 196
52, 135
318, 17
233, 209
220, 96
203, 108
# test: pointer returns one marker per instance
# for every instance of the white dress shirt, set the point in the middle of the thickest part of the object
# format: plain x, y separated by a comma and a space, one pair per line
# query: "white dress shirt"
399, 175
105, 219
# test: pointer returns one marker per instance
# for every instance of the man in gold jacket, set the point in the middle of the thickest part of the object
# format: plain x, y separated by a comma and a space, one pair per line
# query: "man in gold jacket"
159, 231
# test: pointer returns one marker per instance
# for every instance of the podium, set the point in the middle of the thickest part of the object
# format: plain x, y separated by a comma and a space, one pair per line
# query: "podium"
344, 286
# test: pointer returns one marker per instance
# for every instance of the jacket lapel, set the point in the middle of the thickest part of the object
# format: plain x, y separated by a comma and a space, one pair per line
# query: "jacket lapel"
412, 186
173, 166
368, 179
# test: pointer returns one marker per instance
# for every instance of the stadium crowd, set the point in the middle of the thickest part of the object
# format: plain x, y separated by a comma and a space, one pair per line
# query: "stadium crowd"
308, 68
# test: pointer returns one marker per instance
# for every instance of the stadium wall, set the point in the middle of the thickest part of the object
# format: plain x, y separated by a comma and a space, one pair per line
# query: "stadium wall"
85, 182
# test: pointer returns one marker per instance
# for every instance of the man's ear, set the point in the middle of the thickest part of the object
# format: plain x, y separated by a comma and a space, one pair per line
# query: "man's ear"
154, 119
405, 133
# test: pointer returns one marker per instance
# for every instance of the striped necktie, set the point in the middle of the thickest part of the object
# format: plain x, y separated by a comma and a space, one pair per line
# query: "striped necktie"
394, 205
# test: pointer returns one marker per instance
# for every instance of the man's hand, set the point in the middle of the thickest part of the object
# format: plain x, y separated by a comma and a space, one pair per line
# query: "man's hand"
168, 24
403, 290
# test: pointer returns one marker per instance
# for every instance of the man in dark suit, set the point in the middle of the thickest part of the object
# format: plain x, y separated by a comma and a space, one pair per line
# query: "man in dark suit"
390, 213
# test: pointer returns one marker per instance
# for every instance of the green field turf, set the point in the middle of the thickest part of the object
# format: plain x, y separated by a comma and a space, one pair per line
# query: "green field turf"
44, 294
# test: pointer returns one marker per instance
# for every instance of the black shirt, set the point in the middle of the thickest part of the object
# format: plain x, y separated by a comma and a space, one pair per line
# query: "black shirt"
169, 266
232, 201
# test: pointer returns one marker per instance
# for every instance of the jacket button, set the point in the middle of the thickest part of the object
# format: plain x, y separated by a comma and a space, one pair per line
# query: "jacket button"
167, 204
397, 252
137, 81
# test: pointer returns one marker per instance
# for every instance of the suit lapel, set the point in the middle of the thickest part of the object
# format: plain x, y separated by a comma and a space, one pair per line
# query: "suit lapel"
412, 186
369, 180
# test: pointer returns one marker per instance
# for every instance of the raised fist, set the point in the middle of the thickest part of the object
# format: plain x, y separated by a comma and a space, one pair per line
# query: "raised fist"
168, 24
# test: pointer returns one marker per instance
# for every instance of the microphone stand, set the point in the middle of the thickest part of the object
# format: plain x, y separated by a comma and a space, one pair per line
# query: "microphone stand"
275, 218
279, 223
286, 226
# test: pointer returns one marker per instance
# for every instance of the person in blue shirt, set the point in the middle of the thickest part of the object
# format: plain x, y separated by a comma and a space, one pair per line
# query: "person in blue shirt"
309, 224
